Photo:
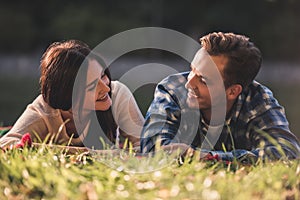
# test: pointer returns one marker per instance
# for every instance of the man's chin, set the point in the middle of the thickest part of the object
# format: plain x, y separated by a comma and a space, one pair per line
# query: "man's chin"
193, 104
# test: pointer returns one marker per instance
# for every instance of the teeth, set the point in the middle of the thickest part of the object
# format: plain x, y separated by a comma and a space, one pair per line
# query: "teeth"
103, 97
192, 93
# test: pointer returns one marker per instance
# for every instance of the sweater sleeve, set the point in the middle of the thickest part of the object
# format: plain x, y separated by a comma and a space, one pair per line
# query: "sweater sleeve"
29, 122
38, 119
126, 112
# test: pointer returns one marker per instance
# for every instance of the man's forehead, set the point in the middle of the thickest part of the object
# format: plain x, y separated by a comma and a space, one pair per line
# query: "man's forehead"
203, 65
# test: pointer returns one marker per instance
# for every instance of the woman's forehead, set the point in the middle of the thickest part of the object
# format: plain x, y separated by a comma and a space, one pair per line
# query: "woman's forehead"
95, 70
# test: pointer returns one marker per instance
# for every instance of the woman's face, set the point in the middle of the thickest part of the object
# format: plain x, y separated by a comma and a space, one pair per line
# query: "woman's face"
96, 92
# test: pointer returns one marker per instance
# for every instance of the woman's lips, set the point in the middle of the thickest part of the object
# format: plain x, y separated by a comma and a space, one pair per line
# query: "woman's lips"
103, 98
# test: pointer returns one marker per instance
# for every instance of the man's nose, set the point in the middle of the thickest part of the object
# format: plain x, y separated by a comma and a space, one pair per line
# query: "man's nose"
190, 82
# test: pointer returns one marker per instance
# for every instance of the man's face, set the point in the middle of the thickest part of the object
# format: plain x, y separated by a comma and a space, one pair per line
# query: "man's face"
205, 82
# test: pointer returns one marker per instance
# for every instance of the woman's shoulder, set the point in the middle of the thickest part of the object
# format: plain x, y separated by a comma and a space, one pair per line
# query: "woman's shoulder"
40, 106
117, 85
119, 89
120, 94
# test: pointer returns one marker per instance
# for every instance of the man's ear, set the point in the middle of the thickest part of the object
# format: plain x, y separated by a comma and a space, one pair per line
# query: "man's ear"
234, 91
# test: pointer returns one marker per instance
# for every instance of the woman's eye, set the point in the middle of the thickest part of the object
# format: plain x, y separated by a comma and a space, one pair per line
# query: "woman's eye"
92, 87
103, 76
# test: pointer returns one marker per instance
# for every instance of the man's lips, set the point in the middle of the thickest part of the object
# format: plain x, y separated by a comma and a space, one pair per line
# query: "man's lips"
192, 94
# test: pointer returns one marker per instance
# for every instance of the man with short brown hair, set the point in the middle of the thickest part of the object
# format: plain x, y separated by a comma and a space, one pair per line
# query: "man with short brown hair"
218, 107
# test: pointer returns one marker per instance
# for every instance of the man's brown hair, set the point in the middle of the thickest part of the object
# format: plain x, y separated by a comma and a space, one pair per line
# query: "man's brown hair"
244, 58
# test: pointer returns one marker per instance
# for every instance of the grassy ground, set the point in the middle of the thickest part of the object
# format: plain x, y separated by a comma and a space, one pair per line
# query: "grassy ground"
51, 174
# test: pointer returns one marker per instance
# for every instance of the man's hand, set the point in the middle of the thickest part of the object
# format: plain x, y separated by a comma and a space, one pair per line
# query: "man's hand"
239, 155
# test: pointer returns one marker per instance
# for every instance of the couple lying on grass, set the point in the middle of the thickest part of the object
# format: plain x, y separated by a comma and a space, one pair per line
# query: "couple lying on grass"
217, 107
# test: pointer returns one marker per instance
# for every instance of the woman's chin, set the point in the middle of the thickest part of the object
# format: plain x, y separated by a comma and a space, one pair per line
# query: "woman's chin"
104, 109
103, 106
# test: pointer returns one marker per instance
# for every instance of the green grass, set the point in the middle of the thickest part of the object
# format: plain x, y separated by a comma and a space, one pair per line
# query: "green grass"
51, 174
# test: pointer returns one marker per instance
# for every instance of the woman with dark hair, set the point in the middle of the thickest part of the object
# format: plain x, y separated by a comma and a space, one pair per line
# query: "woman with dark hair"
79, 105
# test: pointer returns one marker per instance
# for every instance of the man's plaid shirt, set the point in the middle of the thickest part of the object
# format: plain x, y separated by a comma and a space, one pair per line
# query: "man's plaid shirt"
256, 116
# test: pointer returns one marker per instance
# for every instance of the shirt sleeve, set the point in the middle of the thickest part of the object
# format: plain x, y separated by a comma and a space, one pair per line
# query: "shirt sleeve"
271, 136
168, 119
161, 121
270, 139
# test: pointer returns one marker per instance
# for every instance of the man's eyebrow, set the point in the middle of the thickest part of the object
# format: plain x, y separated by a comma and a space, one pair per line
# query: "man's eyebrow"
204, 77
201, 75
93, 82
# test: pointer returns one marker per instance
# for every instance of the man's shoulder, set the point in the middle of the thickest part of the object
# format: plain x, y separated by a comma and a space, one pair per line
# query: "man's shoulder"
173, 86
260, 92
175, 80
259, 98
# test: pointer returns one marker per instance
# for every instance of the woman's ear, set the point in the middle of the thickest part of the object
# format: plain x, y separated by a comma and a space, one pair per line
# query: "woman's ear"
234, 91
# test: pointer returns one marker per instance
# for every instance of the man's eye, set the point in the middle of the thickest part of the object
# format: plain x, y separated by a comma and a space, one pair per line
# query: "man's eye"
202, 80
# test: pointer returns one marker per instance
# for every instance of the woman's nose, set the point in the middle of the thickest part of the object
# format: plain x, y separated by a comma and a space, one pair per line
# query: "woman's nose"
103, 85
105, 79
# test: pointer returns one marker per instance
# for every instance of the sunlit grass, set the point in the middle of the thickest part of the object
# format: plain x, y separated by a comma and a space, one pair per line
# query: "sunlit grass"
52, 174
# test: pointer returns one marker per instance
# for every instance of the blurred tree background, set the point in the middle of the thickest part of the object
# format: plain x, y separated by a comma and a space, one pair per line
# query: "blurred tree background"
272, 25
27, 28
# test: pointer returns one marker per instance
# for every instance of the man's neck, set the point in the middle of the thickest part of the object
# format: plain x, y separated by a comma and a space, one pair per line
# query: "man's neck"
206, 114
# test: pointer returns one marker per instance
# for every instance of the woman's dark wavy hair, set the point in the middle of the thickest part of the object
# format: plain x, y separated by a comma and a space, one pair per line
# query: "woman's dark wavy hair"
59, 66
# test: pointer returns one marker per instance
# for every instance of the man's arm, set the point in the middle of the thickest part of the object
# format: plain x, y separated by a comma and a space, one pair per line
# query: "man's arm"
276, 143
270, 138
168, 119
161, 122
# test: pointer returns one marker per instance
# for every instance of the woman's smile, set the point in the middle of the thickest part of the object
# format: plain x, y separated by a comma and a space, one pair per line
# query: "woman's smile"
103, 97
